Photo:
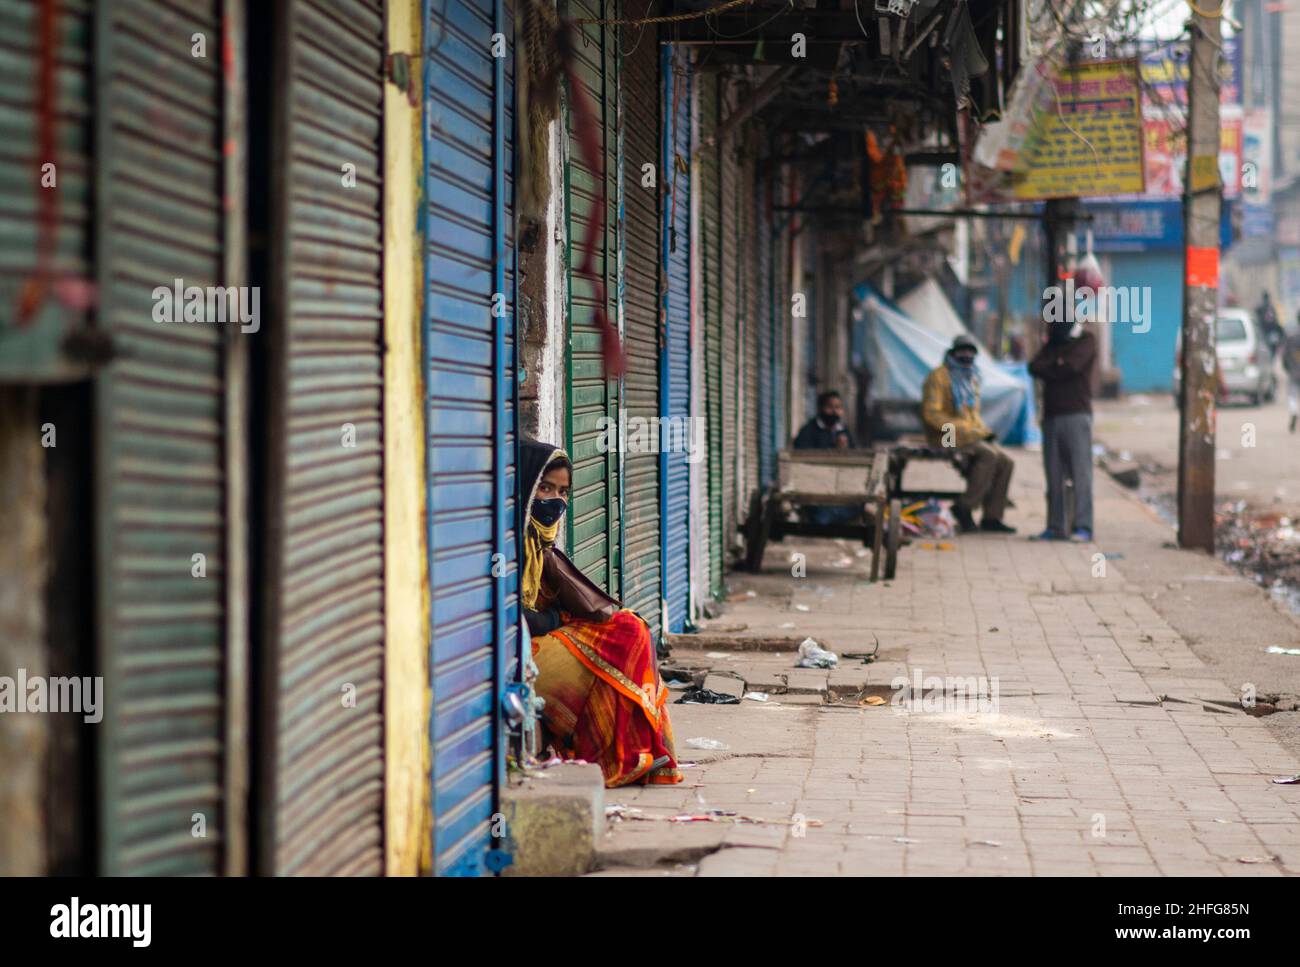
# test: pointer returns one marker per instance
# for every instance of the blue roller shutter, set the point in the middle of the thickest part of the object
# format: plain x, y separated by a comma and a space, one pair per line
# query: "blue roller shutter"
675, 368
469, 350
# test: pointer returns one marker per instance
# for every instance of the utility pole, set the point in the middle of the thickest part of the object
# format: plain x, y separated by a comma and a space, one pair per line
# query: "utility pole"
1202, 197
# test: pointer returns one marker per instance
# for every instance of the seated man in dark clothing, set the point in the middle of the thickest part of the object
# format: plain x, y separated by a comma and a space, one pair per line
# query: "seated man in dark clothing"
826, 430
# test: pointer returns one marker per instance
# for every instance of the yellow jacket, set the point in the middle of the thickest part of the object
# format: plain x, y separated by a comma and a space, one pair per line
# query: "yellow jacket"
938, 409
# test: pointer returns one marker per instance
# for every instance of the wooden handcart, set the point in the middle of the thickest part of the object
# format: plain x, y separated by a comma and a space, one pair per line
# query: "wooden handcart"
811, 479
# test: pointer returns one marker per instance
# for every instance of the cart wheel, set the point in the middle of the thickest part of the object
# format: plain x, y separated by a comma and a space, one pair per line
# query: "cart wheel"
757, 526
893, 536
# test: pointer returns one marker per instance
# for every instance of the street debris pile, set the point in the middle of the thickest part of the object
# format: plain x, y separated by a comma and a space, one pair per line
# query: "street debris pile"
928, 518
1263, 544
813, 655
617, 812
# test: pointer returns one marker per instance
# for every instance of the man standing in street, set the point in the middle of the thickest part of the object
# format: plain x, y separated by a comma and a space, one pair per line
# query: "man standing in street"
950, 410
1270, 328
1064, 364
1291, 363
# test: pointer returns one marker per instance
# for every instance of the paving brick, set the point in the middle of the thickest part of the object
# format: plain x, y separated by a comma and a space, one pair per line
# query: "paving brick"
1081, 737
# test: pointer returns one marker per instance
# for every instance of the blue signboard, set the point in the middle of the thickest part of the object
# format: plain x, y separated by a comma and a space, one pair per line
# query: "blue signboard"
1144, 226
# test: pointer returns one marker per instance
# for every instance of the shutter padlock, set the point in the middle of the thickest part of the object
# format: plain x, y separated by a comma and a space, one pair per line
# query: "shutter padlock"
514, 704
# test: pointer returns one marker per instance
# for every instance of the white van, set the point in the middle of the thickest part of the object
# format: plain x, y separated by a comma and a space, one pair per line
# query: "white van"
1243, 356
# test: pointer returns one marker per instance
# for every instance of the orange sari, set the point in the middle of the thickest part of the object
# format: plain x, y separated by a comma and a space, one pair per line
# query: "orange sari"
605, 702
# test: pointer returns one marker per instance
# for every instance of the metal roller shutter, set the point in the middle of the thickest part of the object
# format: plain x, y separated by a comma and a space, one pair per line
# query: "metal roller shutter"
640, 114
729, 268
781, 329
710, 231
326, 611
159, 438
675, 369
591, 399
751, 323
764, 322
32, 349
469, 99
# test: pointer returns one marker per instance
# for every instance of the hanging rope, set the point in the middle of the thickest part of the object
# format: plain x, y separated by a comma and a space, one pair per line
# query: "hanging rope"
589, 141
37, 287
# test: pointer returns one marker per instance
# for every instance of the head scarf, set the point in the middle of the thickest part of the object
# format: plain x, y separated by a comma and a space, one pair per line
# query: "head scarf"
534, 458
965, 381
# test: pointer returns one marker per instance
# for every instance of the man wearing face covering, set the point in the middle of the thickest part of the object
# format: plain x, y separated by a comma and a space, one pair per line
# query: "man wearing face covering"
1064, 364
950, 410
826, 430
596, 663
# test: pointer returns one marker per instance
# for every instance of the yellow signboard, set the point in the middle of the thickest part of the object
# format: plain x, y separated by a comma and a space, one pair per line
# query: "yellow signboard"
1086, 138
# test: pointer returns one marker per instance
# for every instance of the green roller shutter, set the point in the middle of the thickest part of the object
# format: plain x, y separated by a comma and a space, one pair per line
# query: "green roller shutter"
750, 316
32, 348
323, 807
591, 400
641, 234
711, 264
160, 433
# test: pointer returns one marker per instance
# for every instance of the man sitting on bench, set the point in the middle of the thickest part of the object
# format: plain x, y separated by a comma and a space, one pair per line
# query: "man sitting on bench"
950, 410
826, 431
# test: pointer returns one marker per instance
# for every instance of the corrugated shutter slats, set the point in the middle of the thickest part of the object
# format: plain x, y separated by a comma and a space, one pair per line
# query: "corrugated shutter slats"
592, 399
160, 485
330, 617
470, 408
729, 269
33, 350
751, 397
677, 405
641, 222
711, 262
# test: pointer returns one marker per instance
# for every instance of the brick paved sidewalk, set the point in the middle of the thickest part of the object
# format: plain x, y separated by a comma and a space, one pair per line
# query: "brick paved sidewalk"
1114, 750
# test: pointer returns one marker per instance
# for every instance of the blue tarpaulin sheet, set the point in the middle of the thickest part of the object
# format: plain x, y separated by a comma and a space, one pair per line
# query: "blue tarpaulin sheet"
900, 352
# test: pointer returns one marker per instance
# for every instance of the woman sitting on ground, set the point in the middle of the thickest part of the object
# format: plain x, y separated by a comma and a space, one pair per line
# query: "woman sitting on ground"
605, 702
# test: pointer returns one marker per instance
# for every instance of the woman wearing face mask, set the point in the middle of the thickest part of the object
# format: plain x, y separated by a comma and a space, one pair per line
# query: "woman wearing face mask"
605, 702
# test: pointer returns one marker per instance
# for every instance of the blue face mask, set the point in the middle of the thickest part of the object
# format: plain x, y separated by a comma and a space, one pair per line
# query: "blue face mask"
547, 512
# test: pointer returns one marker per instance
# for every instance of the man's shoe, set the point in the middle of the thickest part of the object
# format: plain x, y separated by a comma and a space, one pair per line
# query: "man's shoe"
1082, 535
965, 522
1049, 535
996, 527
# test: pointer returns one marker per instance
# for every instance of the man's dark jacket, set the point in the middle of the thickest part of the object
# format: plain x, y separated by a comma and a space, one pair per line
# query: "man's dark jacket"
1066, 371
815, 436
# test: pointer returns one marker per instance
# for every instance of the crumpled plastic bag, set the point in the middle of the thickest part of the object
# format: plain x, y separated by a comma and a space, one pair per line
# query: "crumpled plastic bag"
813, 655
